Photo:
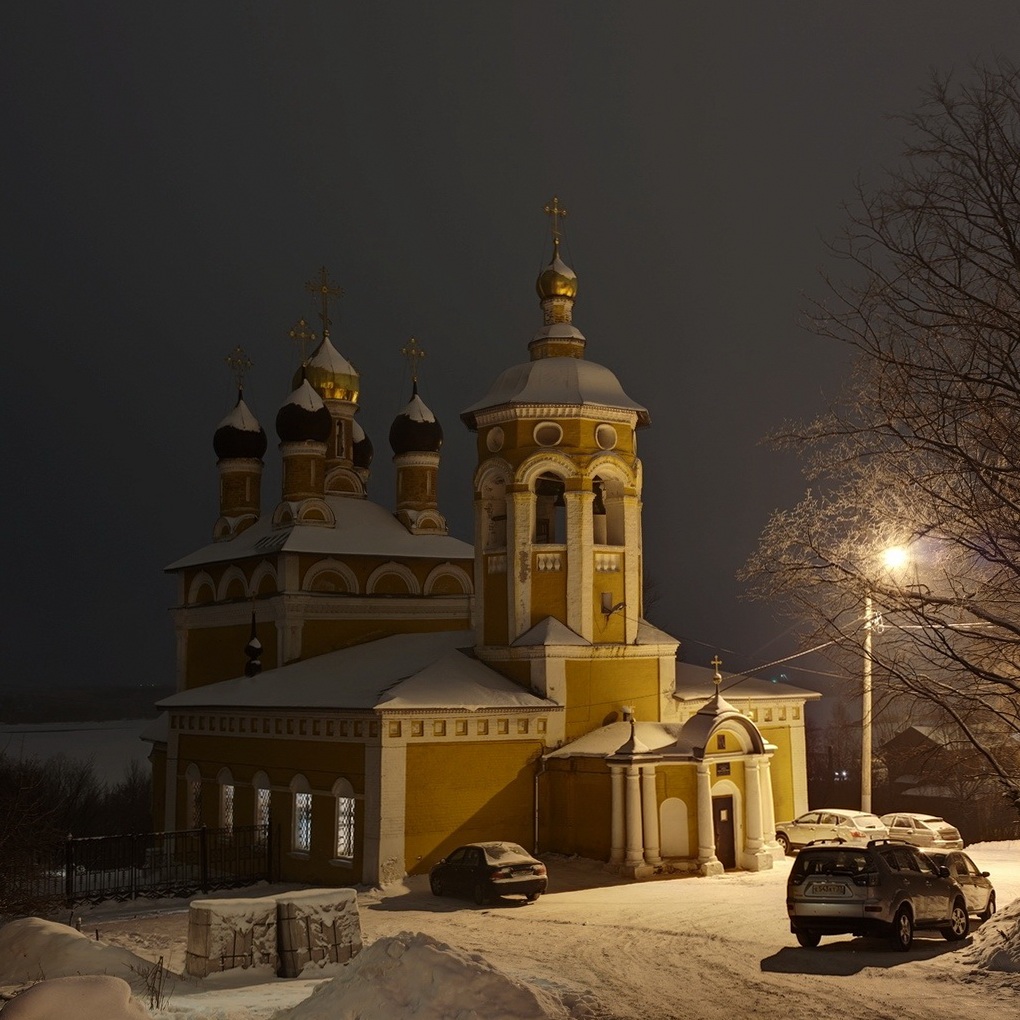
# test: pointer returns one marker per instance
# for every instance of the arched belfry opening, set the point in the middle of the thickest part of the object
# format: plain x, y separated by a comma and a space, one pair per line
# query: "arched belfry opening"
607, 511
550, 510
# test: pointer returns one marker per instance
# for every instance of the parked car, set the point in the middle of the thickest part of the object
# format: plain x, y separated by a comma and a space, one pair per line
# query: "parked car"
487, 871
979, 891
829, 823
887, 888
924, 830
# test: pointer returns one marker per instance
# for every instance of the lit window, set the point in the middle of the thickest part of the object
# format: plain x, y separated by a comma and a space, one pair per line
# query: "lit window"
344, 827
302, 822
227, 808
262, 808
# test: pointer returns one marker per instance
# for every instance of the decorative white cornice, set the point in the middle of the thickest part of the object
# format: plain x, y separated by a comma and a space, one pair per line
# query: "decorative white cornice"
325, 606
527, 412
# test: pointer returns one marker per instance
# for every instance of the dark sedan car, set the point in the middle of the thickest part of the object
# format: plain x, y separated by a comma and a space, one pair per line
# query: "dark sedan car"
486, 871
975, 885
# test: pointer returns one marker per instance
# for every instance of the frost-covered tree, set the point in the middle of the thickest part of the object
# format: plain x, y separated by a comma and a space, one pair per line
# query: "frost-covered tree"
922, 451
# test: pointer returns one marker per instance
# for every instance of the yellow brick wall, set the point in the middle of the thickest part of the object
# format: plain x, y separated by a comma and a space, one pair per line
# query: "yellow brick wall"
575, 806
464, 793
217, 653
597, 689
548, 592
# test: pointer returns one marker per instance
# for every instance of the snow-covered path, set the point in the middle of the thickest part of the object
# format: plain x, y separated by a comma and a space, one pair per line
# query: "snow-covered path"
669, 949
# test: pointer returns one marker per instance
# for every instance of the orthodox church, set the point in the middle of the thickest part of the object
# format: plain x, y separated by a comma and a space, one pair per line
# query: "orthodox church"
406, 692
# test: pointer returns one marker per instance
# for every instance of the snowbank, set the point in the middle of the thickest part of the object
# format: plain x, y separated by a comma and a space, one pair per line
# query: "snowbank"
32, 949
996, 944
414, 975
84, 998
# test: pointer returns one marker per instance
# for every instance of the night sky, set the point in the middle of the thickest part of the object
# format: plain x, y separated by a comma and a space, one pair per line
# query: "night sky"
173, 174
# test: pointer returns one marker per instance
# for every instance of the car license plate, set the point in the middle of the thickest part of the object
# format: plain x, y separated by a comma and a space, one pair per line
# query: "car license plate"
828, 889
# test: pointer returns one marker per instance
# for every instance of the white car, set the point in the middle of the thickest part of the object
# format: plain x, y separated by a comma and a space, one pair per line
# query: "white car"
830, 823
925, 831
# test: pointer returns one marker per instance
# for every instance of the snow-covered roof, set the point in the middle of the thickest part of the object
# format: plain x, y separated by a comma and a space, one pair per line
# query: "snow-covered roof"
552, 381
403, 671
329, 358
609, 739
694, 734
417, 410
305, 397
558, 331
241, 418
550, 631
362, 527
696, 683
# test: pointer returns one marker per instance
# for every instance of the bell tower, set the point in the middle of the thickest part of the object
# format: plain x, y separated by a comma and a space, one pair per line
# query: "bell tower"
558, 563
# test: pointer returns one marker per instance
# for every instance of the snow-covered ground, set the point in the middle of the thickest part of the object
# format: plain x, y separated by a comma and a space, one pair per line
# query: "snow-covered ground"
672, 948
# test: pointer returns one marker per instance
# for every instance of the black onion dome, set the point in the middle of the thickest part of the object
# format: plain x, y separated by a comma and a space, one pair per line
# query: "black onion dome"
362, 451
304, 417
415, 429
240, 435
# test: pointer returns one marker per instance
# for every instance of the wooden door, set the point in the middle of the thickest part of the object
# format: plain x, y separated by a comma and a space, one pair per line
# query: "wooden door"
725, 831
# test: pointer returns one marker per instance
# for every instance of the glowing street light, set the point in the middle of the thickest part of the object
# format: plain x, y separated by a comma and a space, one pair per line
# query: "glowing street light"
894, 558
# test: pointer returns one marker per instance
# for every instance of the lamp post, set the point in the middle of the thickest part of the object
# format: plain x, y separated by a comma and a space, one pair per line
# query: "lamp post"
893, 558
866, 712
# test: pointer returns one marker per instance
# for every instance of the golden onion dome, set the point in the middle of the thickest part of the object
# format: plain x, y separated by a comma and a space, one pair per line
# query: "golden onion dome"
557, 280
331, 375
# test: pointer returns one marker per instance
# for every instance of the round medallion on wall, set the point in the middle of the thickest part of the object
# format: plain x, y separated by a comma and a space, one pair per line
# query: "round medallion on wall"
605, 436
494, 439
548, 433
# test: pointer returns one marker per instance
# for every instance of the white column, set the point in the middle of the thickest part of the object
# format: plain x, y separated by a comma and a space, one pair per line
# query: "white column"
650, 814
707, 860
385, 799
768, 804
752, 785
520, 508
478, 603
632, 593
580, 566
635, 855
616, 832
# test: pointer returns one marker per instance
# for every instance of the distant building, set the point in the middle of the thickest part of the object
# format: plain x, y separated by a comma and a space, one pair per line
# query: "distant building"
417, 692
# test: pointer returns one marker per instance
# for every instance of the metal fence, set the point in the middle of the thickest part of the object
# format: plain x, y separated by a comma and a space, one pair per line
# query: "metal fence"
90, 869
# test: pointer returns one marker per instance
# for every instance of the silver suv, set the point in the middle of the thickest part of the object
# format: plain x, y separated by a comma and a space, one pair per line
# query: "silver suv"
887, 888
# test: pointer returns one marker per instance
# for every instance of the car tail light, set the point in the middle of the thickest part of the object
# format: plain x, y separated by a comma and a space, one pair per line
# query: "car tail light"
869, 879
539, 869
501, 873
856, 833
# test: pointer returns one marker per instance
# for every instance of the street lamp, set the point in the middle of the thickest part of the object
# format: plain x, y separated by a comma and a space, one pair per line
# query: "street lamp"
893, 558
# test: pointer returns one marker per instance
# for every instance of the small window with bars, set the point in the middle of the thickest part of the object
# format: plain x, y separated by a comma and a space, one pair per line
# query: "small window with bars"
227, 807
344, 827
302, 822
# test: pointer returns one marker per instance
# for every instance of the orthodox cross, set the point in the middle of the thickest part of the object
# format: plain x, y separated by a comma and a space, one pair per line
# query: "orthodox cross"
557, 212
302, 335
239, 363
717, 662
414, 353
325, 290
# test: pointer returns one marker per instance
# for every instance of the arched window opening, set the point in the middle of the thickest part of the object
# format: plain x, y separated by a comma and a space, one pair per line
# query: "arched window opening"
612, 501
598, 514
344, 843
550, 510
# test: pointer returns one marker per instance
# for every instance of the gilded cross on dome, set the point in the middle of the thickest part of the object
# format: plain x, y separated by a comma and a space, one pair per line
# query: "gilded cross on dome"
414, 353
717, 662
302, 336
239, 363
325, 290
557, 212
